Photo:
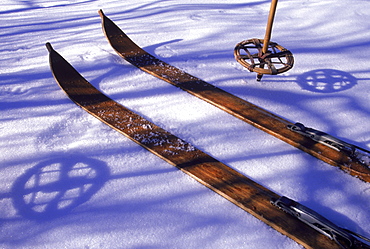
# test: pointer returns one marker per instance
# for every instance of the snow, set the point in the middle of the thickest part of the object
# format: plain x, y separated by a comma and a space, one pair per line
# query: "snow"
70, 181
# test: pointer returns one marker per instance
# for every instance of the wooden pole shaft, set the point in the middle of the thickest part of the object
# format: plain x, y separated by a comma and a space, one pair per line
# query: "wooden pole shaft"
270, 21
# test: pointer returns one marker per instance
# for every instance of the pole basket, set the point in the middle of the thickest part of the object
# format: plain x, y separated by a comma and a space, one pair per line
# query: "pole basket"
276, 60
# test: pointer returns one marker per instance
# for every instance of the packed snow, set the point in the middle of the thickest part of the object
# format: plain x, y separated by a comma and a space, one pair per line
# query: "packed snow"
70, 181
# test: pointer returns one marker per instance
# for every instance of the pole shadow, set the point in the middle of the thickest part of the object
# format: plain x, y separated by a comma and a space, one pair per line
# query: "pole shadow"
326, 81
55, 187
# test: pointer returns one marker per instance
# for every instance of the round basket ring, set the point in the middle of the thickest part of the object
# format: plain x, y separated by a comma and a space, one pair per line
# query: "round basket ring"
277, 59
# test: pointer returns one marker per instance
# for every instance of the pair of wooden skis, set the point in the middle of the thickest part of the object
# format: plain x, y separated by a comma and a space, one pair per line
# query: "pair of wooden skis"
283, 214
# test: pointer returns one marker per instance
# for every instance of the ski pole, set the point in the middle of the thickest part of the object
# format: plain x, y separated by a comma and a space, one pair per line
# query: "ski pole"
270, 21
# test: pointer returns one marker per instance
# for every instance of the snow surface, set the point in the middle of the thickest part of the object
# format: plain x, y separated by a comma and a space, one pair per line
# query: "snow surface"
69, 181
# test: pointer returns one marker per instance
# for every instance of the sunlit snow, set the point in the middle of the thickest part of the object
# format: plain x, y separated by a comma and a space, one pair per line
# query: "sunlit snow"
70, 181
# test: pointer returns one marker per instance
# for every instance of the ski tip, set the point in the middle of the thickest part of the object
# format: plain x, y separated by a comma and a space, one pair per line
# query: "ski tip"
49, 47
101, 13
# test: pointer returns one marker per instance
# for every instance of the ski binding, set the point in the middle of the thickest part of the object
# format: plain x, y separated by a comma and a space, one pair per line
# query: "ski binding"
315, 220
354, 152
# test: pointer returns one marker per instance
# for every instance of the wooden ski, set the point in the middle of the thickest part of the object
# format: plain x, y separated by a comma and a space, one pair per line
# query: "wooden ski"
244, 110
232, 185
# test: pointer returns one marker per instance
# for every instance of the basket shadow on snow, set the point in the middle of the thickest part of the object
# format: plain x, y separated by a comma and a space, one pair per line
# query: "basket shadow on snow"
54, 187
326, 81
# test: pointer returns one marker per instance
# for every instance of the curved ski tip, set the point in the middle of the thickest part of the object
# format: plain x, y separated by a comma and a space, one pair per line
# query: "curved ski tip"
101, 13
49, 47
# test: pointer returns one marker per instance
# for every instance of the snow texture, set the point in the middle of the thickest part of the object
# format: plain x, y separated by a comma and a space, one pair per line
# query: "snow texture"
70, 181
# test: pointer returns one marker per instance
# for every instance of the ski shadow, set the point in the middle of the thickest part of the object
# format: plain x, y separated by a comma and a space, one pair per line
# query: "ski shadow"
55, 187
326, 81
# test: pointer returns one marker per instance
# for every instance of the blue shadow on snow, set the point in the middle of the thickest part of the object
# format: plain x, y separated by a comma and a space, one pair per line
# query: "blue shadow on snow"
326, 81
54, 187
